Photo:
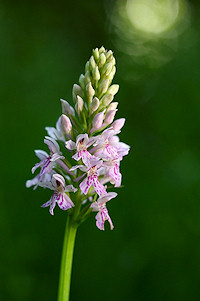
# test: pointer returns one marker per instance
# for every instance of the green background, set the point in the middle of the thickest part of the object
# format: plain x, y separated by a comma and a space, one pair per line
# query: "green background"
153, 253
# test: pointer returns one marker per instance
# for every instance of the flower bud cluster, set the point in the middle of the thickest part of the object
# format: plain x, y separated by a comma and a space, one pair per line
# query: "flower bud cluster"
85, 134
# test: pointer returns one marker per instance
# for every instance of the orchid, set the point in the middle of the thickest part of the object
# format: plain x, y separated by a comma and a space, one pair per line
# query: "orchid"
47, 161
59, 196
112, 169
56, 133
82, 143
84, 155
103, 148
100, 206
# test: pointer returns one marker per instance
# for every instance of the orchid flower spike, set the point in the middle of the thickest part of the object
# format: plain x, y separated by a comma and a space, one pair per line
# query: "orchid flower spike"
84, 150
59, 196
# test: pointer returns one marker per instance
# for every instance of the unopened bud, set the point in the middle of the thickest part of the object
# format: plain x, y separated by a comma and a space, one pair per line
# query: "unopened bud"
98, 120
89, 90
113, 89
118, 124
109, 54
79, 105
112, 73
94, 105
101, 50
110, 115
87, 78
104, 87
112, 106
113, 61
92, 63
96, 53
87, 67
96, 74
107, 69
77, 90
102, 60
74, 97
66, 108
106, 100
82, 81
66, 124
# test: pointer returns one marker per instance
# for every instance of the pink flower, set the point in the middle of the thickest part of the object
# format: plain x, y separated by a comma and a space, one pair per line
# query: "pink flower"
121, 148
42, 181
56, 133
112, 170
100, 206
59, 196
81, 145
91, 169
48, 161
103, 147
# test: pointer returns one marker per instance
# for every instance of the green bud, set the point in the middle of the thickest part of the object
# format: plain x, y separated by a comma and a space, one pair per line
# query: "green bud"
92, 63
94, 105
89, 90
107, 69
101, 50
112, 106
79, 105
82, 81
113, 89
87, 67
109, 54
87, 78
112, 73
96, 74
111, 60
104, 87
74, 97
106, 100
77, 90
96, 54
102, 60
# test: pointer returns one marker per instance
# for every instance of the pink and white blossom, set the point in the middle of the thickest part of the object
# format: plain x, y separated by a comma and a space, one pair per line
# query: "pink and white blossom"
90, 136
103, 148
100, 206
40, 180
121, 147
112, 170
91, 179
59, 196
56, 133
83, 142
47, 162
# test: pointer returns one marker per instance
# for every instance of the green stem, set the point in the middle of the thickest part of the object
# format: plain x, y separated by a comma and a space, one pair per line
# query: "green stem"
67, 258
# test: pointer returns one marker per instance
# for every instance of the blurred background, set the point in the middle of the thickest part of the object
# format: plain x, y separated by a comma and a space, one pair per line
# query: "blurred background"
153, 253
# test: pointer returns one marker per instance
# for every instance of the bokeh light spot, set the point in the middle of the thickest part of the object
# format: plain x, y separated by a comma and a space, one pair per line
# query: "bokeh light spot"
153, 16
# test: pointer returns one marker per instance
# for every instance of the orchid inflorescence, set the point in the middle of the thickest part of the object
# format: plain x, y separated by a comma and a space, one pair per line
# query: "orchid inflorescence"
87, 136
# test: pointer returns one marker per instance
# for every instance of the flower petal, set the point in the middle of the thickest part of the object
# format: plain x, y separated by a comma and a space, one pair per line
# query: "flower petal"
58, 178
115, 174
46, 204
52, 144
98, 187
42, 155
107, 197
63, 202
70, 188
85, 185
70, 145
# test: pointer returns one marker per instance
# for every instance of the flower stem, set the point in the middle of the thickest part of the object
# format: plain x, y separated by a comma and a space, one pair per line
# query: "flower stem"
67, 258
